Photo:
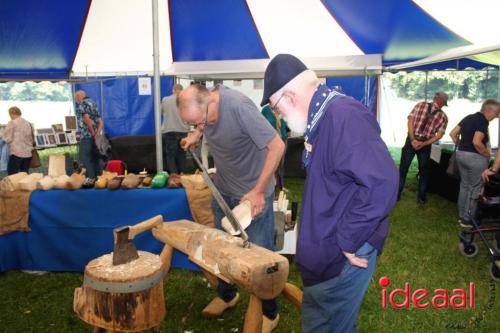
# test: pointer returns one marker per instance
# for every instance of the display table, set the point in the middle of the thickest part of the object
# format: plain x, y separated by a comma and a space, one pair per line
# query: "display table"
70, 228
439, 181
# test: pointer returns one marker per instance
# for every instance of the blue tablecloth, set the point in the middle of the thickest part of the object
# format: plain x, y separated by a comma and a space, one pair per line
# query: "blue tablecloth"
70, 228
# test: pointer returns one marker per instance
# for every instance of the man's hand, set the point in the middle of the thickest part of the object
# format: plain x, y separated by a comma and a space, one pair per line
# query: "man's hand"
190, 142
416, 144
486, 174
257, 201
356, 261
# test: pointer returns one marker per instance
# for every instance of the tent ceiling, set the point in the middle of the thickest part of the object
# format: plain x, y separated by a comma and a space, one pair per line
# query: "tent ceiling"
40, 38
117, 37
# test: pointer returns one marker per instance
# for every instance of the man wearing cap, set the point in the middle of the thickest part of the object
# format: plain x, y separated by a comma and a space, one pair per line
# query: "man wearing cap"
351, 187
426, 125
247, 151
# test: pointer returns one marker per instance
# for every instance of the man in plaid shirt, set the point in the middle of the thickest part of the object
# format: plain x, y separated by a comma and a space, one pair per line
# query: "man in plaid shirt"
426, 125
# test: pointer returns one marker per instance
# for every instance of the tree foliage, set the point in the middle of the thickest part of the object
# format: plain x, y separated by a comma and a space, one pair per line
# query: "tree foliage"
33, 91
473, 85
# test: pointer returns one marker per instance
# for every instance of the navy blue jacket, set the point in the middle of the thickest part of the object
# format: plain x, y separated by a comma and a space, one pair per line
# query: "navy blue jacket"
350, 189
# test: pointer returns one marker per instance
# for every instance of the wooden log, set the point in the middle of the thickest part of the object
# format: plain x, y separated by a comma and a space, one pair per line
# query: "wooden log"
29, 183
243, 213
122, 298
253, 317
46, 183
212, 279
11, 183
293, 294
261, 271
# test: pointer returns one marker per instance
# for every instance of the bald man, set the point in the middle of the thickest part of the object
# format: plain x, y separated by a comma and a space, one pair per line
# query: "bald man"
247, 151
90, 125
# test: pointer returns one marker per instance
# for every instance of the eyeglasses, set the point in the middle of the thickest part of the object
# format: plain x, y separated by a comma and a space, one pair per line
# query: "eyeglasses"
274, 107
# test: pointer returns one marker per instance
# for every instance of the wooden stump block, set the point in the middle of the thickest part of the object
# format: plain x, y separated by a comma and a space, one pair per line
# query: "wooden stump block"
122, 298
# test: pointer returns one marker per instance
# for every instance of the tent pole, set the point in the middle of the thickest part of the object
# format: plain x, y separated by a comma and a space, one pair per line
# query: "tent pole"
157, 105
102, 99
426, 81
366, 88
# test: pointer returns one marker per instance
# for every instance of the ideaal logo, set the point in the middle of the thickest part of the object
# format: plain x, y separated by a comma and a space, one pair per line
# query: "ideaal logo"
423, 298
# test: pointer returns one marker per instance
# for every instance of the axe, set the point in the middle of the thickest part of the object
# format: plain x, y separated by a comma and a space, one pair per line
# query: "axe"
124, 250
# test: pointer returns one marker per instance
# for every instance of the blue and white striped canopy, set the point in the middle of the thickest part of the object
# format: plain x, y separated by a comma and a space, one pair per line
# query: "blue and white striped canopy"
57, 39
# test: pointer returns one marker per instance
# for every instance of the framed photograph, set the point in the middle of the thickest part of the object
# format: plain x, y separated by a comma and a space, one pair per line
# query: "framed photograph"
45, 131
39, 140
58, 128
71, 137
51, 138
70, 123
61, 138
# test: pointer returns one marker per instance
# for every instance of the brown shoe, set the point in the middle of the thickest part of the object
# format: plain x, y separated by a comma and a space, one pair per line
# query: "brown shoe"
269, 325
217, 306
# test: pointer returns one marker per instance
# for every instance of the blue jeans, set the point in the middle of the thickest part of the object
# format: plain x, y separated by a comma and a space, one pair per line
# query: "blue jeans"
333, 305
89, 157
260, 232
424, 158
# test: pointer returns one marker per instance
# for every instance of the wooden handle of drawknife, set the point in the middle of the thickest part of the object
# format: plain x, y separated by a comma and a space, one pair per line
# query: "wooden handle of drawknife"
145, 225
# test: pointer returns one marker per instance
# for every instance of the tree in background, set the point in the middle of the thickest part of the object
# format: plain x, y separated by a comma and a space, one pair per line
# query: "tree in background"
33, 91
472, 85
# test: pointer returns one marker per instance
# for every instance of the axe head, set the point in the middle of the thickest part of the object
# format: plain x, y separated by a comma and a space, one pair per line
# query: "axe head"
124, 250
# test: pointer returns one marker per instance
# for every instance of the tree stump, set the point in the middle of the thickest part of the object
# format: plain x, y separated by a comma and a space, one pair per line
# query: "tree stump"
122, 298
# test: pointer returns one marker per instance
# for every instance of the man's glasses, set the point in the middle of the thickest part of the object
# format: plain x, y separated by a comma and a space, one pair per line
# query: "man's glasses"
274, 107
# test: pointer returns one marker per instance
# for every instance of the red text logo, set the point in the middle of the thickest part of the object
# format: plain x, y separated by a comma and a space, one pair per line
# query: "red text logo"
423, 298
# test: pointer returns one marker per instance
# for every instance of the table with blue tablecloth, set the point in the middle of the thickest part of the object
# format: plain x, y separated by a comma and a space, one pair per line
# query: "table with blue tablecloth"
70, 228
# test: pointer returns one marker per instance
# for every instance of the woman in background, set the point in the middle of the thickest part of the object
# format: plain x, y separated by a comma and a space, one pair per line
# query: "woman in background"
19, 135
473, 155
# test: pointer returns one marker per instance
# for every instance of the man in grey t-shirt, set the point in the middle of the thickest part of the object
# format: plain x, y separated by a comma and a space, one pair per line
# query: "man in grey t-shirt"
173, 131
247, 151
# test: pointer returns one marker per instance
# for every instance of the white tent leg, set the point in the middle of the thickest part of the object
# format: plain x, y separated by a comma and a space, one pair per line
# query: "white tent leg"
157, 104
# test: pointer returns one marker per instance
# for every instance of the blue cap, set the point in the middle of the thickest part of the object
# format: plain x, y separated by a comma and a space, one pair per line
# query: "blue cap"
281, 70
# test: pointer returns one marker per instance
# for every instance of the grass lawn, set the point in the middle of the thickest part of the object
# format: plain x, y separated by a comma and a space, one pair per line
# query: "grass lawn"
421, 249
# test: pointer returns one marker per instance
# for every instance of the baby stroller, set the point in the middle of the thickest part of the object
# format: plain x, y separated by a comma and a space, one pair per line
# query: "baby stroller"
486, 221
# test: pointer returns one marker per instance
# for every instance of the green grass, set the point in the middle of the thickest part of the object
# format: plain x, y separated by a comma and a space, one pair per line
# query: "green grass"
421, 249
